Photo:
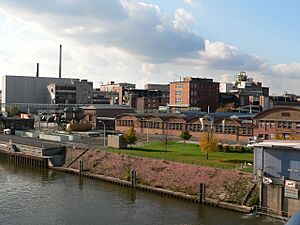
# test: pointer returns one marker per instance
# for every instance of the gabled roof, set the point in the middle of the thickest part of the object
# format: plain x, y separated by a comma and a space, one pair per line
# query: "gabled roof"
273, 110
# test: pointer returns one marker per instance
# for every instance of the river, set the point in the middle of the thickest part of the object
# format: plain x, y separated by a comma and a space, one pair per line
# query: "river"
45, 197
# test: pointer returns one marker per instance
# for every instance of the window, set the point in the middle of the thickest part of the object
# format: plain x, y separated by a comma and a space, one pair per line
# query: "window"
178, 92
179, 100
298, 125
179, 85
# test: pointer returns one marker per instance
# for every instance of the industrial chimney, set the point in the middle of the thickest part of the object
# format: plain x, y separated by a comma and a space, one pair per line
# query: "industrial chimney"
60, 53
37, 70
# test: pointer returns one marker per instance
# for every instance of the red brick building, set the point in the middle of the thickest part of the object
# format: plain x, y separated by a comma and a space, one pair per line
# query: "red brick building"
194, 92
277, 123
173, 124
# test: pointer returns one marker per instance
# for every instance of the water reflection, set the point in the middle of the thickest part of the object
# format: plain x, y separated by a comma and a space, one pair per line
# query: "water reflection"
38, 197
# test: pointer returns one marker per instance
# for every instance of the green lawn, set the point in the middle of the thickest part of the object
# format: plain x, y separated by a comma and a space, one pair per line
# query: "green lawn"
189, 153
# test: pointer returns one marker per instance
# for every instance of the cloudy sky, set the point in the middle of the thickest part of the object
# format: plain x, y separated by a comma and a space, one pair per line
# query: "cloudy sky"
153, 40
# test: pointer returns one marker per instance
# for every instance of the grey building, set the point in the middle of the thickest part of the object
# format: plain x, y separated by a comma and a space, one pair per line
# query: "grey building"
34, 90
277, 170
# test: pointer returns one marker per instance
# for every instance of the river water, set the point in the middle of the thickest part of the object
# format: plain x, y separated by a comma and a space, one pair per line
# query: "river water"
44, 197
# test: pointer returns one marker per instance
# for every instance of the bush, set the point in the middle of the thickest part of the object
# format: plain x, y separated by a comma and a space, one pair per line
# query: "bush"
226, 148
220, 147
237, 148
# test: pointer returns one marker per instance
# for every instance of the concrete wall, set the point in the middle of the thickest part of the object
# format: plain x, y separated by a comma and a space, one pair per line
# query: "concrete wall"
22, 89
50, 137
32, 134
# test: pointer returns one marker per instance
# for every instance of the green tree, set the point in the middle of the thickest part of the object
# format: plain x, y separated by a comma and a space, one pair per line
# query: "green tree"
12, 111
130, 136
185, 135
208, 143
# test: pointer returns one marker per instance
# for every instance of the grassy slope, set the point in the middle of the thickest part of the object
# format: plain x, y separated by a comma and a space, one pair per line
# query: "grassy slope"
189, 153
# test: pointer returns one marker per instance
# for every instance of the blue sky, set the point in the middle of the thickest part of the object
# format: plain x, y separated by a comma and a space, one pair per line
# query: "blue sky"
153, 41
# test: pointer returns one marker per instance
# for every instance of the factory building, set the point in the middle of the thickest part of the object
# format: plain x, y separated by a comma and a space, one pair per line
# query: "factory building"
44, 90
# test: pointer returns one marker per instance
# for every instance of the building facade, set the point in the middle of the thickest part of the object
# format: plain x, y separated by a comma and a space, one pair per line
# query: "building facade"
224, 129
276, 168
119, 89
278, 123
191, 92
251, 95
96, 114
34, 90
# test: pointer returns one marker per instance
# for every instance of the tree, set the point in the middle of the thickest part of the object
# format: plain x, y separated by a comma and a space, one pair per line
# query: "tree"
185, 135
208, 143
130, 136
12, 111
229, 107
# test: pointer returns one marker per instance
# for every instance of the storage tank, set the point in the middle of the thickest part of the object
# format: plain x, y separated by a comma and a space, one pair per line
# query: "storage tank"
81, 126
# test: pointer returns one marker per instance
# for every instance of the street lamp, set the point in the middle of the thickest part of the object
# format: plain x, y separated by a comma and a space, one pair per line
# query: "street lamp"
103, 132
144, 119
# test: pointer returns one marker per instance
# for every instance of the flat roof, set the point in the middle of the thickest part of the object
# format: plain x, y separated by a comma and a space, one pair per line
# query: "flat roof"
29, 141
278, 143
105, 106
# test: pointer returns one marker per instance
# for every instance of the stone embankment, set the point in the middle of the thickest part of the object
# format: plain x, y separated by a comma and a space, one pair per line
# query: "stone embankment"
228, 186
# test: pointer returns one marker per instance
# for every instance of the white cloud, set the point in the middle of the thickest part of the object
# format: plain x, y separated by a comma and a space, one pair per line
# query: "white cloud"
150, 68
137, 28
287, 69
193, 3
121, 40
183, 20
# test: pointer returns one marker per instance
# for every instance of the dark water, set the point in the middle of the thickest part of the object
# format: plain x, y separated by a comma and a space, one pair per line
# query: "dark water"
32, 197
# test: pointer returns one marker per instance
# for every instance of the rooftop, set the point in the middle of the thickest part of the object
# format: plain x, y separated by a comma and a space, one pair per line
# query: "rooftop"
278, 143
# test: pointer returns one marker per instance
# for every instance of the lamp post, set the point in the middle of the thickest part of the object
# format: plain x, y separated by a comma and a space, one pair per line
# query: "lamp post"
144, 119
103, 132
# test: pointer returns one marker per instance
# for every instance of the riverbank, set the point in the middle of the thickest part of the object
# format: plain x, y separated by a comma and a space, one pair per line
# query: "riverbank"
227, 187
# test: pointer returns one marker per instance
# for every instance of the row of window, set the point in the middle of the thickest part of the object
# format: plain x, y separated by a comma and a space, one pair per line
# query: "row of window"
189, 127
280, 124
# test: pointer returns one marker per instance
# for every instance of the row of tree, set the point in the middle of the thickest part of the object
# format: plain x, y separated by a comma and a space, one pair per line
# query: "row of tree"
207, 142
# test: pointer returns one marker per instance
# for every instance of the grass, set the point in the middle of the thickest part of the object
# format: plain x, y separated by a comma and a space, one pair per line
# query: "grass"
189, 153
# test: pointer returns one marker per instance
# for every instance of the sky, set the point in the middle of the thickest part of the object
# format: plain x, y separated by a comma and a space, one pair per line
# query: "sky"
153, 41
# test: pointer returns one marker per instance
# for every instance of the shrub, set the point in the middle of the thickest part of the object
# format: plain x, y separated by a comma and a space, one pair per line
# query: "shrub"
220, 147
237, 148
226, 148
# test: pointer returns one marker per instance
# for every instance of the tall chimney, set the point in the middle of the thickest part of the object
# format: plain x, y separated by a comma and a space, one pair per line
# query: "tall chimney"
60, 53
37, 70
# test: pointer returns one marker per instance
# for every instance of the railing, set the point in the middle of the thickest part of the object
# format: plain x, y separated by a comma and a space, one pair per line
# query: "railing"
266, 211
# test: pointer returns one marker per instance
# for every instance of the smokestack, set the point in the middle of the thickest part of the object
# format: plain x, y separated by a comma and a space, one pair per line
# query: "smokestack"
37, 70
60, 53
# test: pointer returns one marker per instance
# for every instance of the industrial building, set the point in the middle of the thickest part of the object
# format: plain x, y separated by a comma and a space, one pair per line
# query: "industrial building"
228, 127
278, 123
44, 90
251, 95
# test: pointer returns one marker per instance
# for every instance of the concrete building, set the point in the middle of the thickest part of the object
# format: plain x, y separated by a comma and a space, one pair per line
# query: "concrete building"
251, 95
146, 100
160, 87
62, 94
277, 166
34, 90
278, 123
119, 89
191, 92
